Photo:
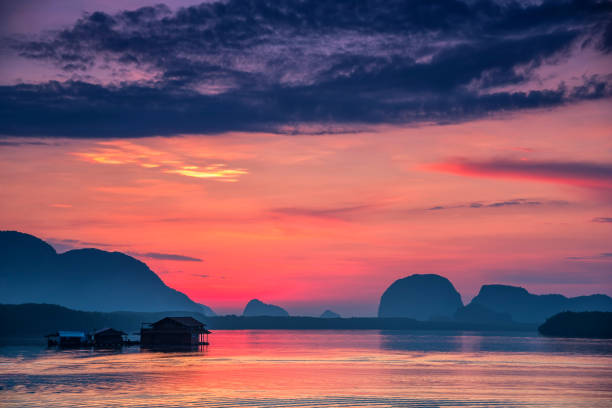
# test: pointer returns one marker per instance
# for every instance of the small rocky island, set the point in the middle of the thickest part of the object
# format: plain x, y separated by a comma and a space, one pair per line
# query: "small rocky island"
328, 314
421, 297
593, 325
256, 307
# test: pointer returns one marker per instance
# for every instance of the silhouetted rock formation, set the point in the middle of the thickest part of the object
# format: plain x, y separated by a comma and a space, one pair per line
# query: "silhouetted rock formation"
421, 297
525, 307
328, 314
82, 279
596, 325
256, 307
476, 313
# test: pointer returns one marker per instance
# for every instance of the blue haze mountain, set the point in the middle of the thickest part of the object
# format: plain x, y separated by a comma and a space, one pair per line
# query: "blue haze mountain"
83, 279
328, 314
525, 307
477, 313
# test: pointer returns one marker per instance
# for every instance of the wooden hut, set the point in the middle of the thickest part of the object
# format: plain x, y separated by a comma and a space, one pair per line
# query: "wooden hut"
108, 337
174, 331
65, 338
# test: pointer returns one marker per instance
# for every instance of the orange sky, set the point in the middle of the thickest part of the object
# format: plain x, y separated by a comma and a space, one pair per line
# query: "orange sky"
329, 221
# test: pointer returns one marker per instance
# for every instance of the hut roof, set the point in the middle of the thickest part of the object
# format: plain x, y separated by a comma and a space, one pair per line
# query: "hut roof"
108, 330
186, 321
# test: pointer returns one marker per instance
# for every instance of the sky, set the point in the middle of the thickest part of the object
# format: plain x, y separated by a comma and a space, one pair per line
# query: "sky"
309, 153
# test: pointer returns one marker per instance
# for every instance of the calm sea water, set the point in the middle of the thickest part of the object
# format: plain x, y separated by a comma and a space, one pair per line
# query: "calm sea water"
318, 369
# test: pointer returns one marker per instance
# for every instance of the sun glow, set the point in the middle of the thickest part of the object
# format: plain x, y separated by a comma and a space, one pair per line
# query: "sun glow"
216, 171
167, 161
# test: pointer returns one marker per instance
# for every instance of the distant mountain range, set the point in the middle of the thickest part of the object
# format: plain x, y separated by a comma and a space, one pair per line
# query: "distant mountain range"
433, 297
83, 279
93, 280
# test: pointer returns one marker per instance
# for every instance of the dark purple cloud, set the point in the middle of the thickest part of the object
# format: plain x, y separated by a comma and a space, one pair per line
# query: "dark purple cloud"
12, 143
602, 219
265, 65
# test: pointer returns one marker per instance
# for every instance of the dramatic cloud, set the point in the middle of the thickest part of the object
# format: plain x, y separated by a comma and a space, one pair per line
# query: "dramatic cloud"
269, 66
591, 175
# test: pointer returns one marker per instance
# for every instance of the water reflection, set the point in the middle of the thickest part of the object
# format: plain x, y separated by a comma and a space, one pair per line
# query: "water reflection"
200, 349
490, 342
317, 369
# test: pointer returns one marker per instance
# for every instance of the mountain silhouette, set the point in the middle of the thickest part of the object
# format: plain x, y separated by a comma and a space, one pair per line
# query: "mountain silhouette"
256, 307
328, 314
525, 307
83, 279
477, 313
421, 297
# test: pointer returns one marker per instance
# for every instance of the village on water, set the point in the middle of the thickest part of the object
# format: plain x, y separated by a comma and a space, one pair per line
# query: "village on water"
182, 331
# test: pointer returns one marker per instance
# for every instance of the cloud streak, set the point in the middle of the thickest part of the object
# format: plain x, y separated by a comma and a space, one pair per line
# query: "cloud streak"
69, 244
261, 66
62, 245
498, 204
340, 213
582, 174
165, 257
606, 256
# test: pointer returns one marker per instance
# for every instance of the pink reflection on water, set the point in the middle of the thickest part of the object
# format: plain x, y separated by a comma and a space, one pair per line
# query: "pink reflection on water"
321, 368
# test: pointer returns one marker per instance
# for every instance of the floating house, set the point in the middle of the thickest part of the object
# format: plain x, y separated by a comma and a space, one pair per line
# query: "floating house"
174, 331
108, 337
65, 338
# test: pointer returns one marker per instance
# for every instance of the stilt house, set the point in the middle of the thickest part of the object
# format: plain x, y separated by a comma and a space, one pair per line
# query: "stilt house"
174, 331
